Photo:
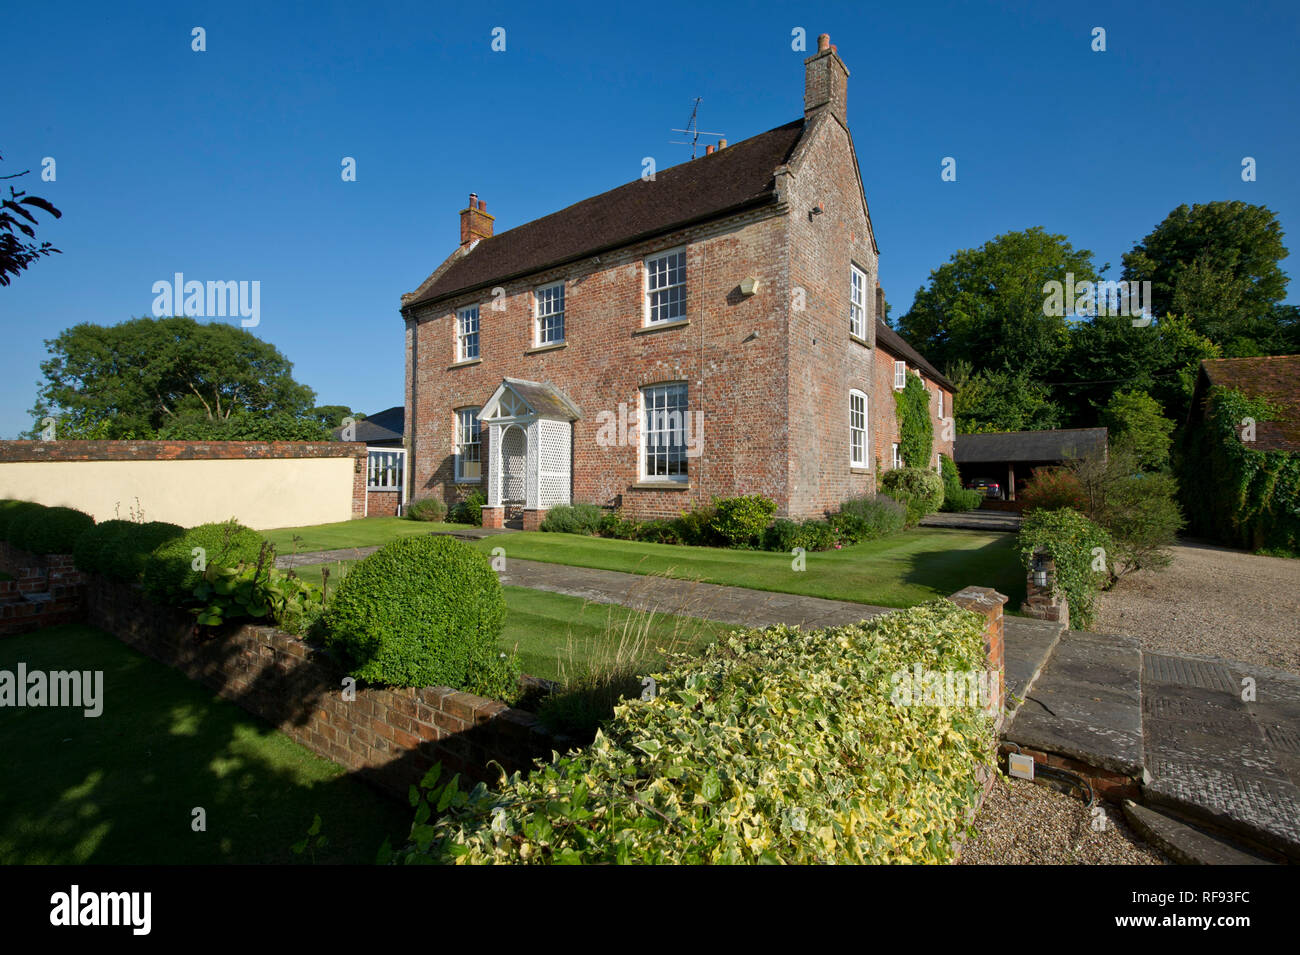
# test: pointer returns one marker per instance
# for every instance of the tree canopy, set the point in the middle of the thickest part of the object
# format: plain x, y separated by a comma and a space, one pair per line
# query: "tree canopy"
137, 378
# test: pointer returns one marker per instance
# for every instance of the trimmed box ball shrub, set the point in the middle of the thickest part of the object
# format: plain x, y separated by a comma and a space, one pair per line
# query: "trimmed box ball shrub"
426, 509
119, 549
422, 611
169, 575
50, 530
919, 490
738, 521
771, 746
10, 511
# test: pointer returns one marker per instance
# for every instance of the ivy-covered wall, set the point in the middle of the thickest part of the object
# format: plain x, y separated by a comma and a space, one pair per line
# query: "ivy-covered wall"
1234, 493
915, 429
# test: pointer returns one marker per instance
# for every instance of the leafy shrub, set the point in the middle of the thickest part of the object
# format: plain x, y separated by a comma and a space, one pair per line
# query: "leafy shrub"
255, 591
717, 768
1077, 546
11, 510
1052, 489
956, 497
614, 524
1143, 519
468, 511
97, 548
867, 518
658, 532
421, 611
783, 535
169, 575
574, 519
50, 530
695, 527
118, 548
919, 490
738, 521
426, 509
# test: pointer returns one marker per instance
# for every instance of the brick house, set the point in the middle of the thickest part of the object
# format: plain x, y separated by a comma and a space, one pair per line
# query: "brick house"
714, 330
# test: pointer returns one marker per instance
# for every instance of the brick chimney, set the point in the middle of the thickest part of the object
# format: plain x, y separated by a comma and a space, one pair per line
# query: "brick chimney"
475, 223
826, 81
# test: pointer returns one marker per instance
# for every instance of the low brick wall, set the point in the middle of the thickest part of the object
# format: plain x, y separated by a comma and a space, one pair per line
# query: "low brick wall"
989, 604
390, 737
45, 590
383, 503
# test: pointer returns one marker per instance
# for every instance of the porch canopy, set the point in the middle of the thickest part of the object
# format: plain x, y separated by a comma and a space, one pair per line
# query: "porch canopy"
530, 445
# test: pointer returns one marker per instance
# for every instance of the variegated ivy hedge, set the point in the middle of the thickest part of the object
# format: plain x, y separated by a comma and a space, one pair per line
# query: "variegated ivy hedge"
771, 746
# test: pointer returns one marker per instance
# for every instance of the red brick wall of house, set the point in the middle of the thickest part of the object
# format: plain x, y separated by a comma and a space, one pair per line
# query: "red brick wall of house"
825, 361
607, 358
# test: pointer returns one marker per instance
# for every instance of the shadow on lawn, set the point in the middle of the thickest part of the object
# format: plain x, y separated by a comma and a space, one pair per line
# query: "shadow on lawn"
122, 788
995, 564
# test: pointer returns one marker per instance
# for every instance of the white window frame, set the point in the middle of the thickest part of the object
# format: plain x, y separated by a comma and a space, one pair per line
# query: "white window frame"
939, 392
900, 375
653, 428
461, 445
857, 302
542, 298
385, 469
650, 293
898, 456
464, 336
858, 454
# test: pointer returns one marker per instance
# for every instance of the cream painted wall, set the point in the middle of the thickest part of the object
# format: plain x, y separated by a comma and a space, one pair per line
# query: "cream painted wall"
261, 493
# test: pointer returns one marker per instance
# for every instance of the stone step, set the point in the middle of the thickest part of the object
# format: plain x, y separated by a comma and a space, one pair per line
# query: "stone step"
1184, 843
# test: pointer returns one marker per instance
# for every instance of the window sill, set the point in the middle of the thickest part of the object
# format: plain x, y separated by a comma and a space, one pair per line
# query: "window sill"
856, 469
553, 346
467, 481
661, 486
859, 340
662, 326
464, 364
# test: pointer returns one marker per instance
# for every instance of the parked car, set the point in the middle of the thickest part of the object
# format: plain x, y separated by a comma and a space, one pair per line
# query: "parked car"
990, 489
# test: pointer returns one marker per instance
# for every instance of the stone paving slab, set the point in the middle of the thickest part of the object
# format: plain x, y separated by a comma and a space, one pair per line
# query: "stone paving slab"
1008, 521
1027, 644
1087, 703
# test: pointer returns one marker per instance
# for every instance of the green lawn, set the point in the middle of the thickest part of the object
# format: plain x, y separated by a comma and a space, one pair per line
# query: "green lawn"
120, 788
552, 632
360, 533
896, 571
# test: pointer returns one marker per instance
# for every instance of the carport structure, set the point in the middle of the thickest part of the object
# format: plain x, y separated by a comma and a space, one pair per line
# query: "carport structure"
1009, 457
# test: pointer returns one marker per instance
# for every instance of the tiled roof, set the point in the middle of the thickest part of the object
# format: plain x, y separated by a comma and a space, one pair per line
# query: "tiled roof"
710, 187
894, 343
1275, 378
386, 425
1027, 446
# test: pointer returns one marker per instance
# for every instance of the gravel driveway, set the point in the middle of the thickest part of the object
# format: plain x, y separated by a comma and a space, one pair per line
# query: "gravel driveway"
1211, 601
1022, 823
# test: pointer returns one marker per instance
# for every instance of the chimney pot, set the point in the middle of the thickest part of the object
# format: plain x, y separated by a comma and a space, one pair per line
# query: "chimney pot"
708, 150
824, 43
722, 144
482, 205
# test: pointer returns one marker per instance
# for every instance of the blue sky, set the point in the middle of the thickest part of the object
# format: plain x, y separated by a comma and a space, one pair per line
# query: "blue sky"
225, 164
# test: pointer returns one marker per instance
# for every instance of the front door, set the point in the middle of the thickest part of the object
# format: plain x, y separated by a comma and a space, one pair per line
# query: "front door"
514, 472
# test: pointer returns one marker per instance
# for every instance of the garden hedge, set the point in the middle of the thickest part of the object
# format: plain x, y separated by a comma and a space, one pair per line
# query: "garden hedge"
11, 511
421, 611
169, 575
119, 548
772, 746
49, 530
1080, 549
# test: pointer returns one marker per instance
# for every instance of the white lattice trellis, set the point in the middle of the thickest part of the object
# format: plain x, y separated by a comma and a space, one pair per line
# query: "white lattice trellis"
530, 446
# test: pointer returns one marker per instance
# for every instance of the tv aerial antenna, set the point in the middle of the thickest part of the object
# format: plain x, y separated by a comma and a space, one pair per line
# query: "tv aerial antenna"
693, 129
